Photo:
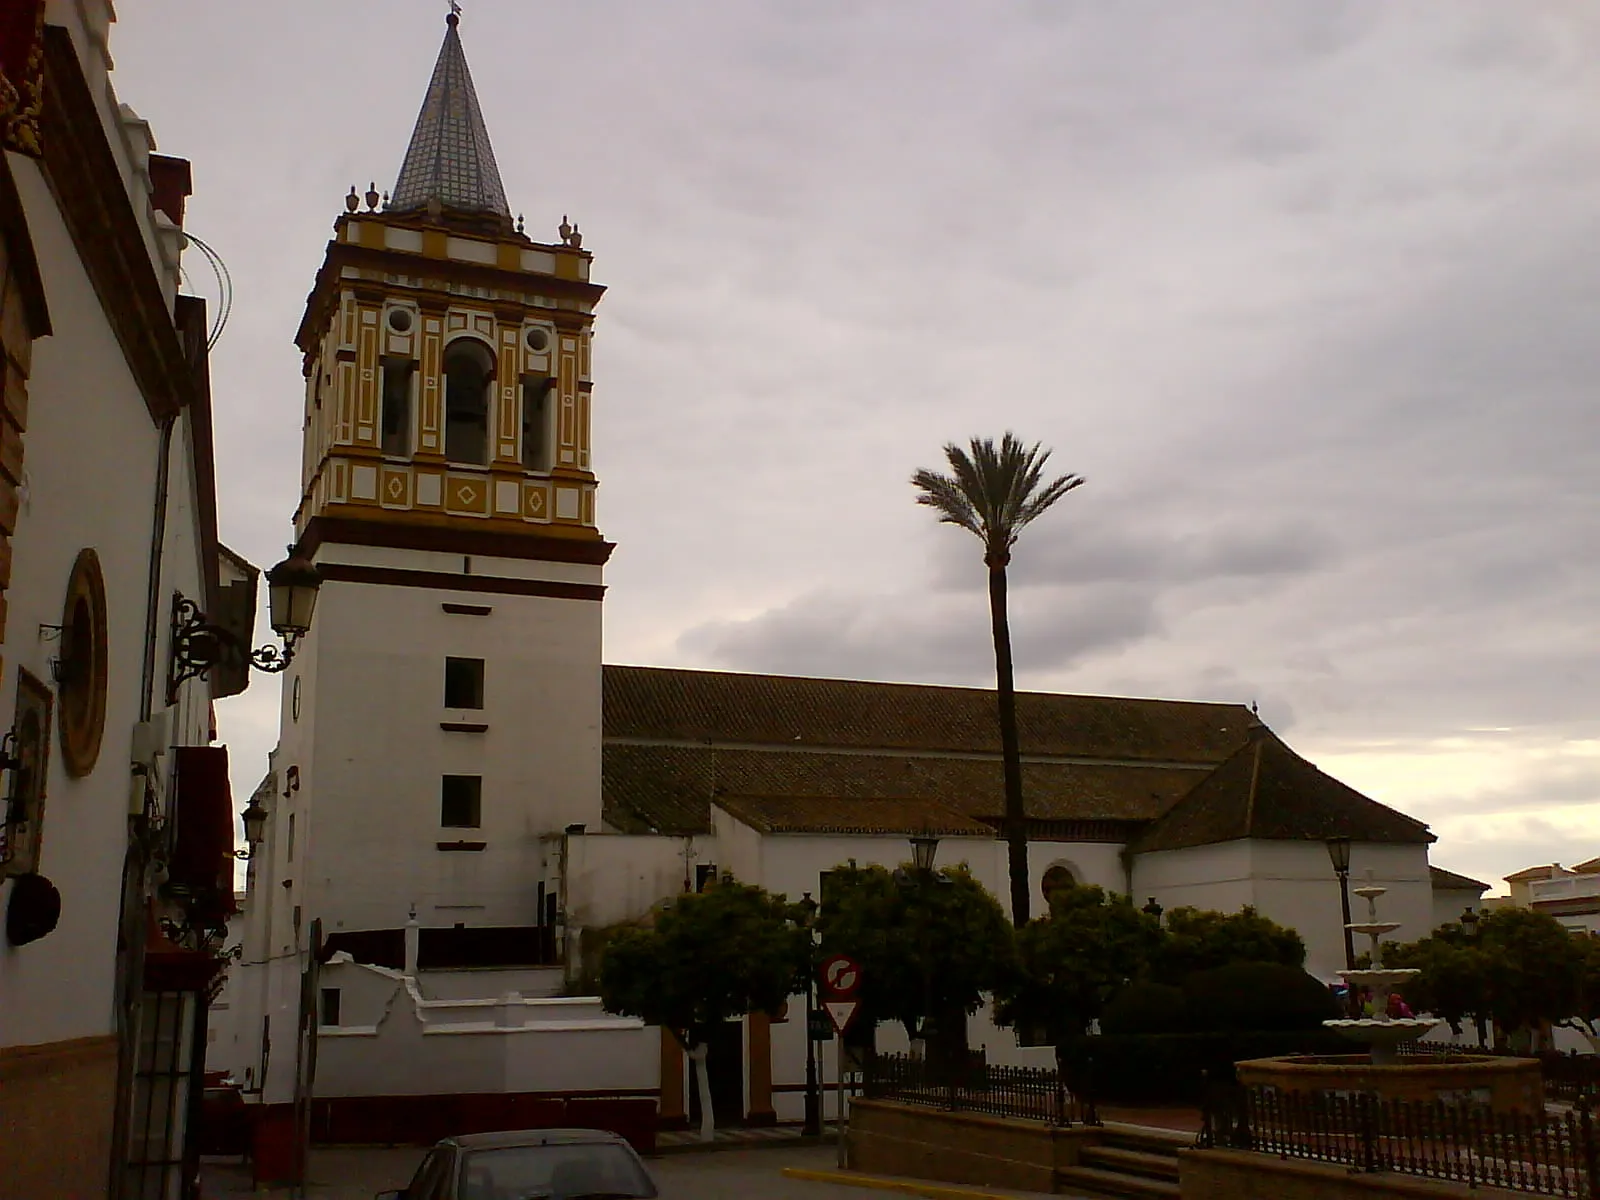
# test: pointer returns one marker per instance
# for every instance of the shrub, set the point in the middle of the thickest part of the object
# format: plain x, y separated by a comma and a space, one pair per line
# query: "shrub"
1146, 1008
1257, 996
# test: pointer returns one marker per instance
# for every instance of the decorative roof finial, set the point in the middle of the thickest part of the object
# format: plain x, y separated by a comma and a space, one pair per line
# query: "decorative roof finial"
454, 18
564, 229
372, 196
352, 201
576, 240
519, 222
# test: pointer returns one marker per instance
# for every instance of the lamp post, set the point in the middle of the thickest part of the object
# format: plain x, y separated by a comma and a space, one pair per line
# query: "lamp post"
254, 818
1339, 855
808, 915
1469, 926
198, 644
924, 849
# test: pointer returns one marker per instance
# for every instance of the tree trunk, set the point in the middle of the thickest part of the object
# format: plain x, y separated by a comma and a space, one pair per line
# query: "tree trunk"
702, 1081
1016, 820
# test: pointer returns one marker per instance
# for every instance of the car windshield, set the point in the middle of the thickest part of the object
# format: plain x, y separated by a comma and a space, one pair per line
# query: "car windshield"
597, 1171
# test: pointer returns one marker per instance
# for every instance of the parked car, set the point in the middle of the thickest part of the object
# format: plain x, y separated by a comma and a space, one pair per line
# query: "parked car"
530, 1164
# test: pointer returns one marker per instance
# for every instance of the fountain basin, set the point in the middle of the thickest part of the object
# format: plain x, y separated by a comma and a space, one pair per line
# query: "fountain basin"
1502, 1083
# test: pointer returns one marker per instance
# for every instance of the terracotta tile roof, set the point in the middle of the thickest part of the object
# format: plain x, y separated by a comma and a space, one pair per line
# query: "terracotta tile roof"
1588, 867
1449, 881
661, 704
851, 815
1267, 791
668, 788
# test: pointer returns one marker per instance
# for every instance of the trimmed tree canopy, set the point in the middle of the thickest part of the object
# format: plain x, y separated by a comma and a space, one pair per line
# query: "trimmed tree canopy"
925, 941
710, 957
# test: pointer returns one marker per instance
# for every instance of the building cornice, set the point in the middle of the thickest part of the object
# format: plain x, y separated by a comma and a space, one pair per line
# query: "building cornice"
82, 173
400, 535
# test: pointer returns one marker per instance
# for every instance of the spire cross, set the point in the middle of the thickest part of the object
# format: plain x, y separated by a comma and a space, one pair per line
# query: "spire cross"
455, 13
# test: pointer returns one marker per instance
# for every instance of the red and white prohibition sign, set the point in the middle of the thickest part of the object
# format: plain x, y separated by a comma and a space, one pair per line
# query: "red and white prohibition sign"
841, 977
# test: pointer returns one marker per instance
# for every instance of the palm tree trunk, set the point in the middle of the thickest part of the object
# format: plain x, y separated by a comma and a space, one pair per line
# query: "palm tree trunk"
1016, 823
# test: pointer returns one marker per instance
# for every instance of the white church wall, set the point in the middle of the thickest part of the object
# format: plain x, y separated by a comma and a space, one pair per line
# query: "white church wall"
1295, 886
1216, 877
1092, 863
613, 877
1293, 883
379, 752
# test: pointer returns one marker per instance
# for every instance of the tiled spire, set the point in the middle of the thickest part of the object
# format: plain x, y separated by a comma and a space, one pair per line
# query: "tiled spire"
450, 161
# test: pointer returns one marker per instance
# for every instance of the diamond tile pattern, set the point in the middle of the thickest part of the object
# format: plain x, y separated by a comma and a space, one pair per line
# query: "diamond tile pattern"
450, 159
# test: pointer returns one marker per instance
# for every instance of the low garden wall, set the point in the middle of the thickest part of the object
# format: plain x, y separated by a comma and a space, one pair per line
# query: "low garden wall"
1240, 1175
887, 1138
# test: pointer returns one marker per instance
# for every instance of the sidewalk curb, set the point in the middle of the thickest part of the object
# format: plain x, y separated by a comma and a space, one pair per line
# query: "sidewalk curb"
672, 1149
909, 1187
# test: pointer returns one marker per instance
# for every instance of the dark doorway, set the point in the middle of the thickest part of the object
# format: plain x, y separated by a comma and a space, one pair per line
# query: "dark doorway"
725, 1066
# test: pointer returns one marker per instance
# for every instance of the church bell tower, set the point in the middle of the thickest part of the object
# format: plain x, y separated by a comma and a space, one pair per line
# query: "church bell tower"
441, 722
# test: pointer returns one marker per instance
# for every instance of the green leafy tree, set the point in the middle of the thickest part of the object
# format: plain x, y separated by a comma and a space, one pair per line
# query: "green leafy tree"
1586, 1017
710, 957
930, 945
993, 492
1200, 939
1074, 960
1523, 969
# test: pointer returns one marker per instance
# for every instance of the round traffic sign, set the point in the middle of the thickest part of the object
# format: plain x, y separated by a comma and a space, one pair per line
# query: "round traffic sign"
841, 976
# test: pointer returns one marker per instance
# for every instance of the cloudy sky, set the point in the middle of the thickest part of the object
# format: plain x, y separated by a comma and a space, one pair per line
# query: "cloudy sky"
1308, 289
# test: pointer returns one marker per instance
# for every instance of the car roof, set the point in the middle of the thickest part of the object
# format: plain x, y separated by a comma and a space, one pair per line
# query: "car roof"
534, 1137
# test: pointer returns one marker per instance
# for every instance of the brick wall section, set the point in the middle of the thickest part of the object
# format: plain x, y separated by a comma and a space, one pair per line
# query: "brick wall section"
1238, 1175
55, 1109
927, 1143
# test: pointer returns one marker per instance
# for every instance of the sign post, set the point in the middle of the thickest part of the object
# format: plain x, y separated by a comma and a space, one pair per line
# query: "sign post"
841, 978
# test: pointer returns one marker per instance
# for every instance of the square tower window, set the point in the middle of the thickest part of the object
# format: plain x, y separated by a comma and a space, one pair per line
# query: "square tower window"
461, 801
397, 405
536, 424
463, 683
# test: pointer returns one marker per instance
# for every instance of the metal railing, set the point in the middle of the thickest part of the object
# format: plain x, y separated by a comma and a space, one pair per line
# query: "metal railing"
1026, 1093
1471, 1144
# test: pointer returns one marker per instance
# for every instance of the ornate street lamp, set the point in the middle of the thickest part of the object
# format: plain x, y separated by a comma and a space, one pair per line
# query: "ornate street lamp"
254, 818
1469, 922
1339, 855
923, 849
198, 645
807, 921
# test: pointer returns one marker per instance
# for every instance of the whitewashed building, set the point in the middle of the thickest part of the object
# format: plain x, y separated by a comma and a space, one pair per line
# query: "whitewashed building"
115, 816
461, 788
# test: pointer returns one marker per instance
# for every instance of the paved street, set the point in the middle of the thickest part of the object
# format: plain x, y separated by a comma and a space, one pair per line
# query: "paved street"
724, 1175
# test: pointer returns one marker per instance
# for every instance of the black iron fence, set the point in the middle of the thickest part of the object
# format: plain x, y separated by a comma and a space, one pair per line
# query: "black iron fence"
1028, 1093
1570, 1077
1527, 1152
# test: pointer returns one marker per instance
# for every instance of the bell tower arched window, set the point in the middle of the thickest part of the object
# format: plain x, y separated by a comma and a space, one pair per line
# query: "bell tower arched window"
468, 371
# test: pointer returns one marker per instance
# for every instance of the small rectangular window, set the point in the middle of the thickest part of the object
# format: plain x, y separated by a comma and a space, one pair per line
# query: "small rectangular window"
463, 683
461, 801
536, 424
290, 856
330, 1006
397, 406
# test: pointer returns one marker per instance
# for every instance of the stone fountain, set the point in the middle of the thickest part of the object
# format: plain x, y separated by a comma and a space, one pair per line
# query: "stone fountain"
1451, 1077
1379, 1031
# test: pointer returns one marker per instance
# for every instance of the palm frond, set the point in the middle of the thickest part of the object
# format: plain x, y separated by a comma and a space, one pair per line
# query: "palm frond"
993, 491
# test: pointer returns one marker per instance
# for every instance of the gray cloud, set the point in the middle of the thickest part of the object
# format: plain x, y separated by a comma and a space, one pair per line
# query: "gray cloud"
1307, 289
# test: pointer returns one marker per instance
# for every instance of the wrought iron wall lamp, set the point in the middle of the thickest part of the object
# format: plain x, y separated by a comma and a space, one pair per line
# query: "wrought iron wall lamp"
198, 645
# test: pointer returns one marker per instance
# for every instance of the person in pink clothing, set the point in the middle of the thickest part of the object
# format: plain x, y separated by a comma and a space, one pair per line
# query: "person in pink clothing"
1398, 1006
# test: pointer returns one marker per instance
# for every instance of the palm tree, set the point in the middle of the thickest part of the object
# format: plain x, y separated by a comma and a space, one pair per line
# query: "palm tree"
992, 493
